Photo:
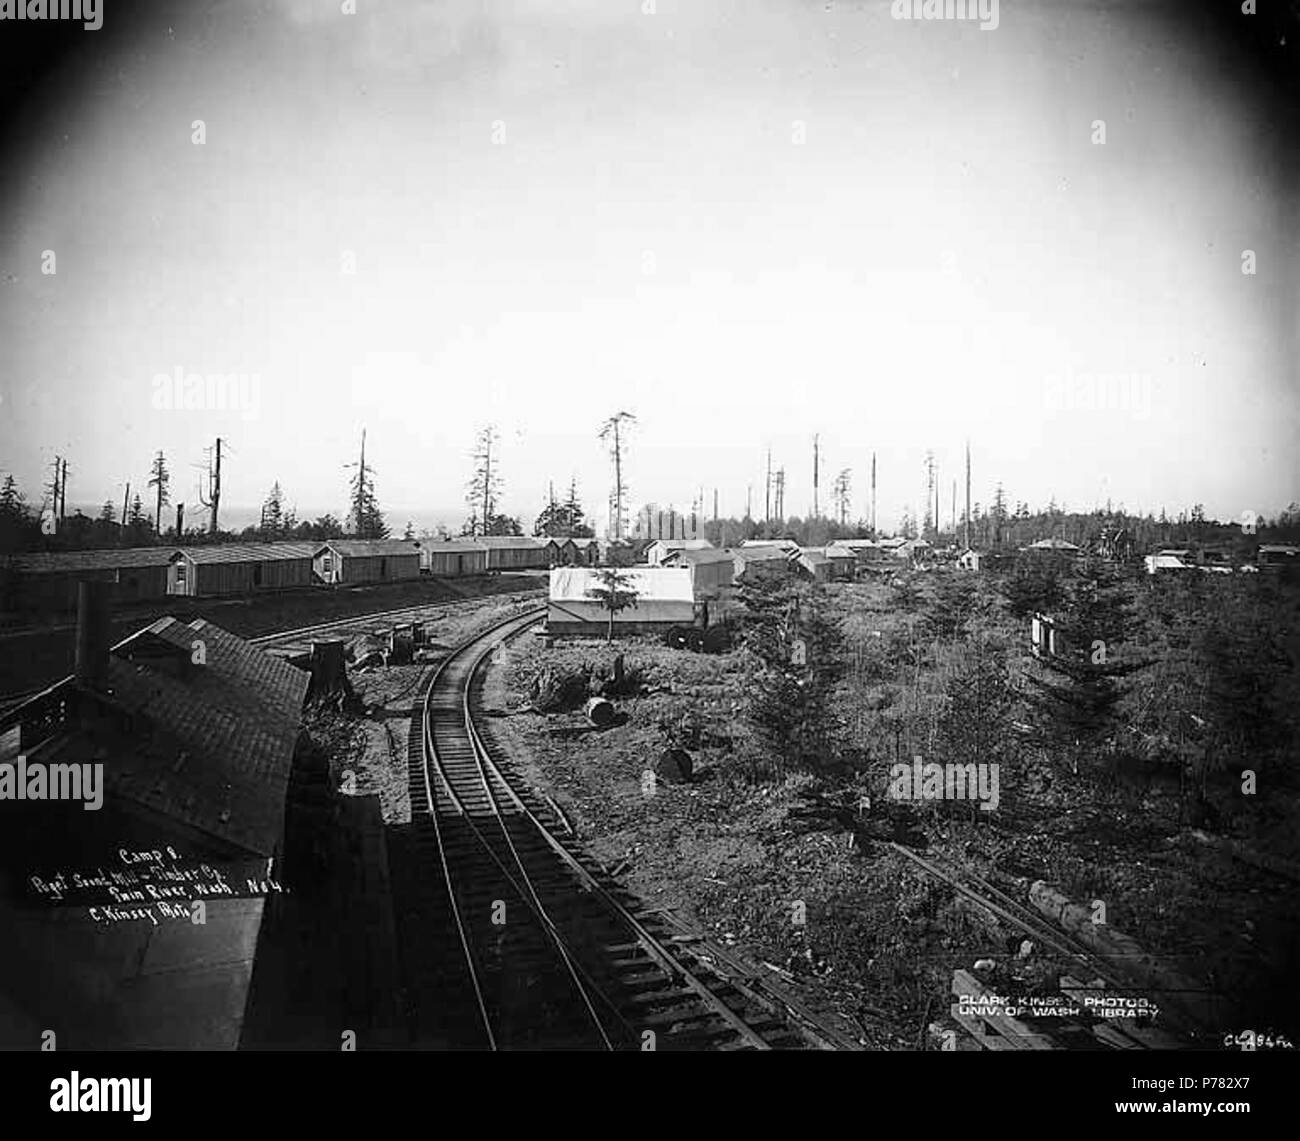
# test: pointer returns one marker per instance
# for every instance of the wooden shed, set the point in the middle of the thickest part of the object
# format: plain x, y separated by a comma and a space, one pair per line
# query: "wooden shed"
514, 552
844, 562
345, 562
454, 558
586, 552
761, 562
559, 551
711, 571
659, 550
814, 564
239, 568
48, 580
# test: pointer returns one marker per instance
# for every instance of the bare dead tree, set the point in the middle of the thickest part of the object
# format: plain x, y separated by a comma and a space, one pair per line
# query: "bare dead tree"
611, 431
484, 487
213, 500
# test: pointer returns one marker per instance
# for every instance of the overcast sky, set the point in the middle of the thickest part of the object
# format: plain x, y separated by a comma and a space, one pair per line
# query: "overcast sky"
744, 222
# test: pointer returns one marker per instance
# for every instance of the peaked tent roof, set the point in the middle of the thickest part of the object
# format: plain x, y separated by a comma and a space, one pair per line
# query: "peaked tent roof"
653, 584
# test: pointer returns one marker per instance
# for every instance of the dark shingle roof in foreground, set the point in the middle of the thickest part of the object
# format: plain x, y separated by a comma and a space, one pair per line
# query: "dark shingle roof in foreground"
221, 735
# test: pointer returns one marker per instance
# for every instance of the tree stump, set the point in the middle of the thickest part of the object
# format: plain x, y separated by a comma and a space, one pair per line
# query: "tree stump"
329, 673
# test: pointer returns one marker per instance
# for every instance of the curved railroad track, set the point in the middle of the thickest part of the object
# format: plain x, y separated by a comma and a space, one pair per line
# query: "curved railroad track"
365, 622
515, 938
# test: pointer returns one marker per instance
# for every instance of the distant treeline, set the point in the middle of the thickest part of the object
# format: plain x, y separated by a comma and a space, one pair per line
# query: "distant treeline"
1000, 527
1005, 529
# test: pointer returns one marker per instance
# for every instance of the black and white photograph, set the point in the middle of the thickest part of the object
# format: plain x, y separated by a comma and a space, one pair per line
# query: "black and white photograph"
711, 526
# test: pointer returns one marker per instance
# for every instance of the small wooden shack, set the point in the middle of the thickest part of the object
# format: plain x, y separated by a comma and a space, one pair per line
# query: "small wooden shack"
711, 571
345, 562
239, 568
453, 558
515, 552
660, 549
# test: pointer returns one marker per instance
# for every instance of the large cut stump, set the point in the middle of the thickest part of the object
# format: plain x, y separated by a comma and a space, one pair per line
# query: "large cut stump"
329, 674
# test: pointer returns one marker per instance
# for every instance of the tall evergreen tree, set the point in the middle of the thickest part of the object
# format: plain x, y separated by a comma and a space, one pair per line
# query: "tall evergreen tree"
160, 477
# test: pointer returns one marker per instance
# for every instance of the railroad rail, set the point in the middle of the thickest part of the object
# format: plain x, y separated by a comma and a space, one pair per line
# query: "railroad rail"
362, 622
515, 937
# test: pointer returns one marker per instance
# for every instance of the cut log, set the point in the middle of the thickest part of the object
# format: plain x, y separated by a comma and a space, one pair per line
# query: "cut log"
674, 766
600, 712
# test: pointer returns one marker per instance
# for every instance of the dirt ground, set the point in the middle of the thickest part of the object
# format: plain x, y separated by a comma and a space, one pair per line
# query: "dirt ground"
378, 754
778, 868
773, 868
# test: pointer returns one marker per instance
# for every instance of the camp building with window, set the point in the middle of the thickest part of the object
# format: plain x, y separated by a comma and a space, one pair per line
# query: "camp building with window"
239, 568
345, 562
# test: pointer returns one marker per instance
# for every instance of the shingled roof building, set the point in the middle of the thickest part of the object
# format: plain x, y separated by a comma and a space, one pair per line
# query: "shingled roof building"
197, 733
196, 730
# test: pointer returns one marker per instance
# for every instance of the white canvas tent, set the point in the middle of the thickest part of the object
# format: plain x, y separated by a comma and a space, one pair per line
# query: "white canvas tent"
664, 598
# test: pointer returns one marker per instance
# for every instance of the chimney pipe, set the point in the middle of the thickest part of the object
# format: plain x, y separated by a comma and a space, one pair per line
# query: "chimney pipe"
93, 634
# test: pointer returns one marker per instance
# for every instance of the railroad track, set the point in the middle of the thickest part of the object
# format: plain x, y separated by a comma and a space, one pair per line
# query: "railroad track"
514, 938
364, 622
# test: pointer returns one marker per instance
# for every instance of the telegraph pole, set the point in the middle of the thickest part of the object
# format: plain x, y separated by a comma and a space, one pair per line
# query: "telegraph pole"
968, 495
767, 503
873, 495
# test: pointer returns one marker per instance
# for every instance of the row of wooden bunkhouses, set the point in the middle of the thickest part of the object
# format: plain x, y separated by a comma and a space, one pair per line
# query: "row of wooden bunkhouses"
48, 580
